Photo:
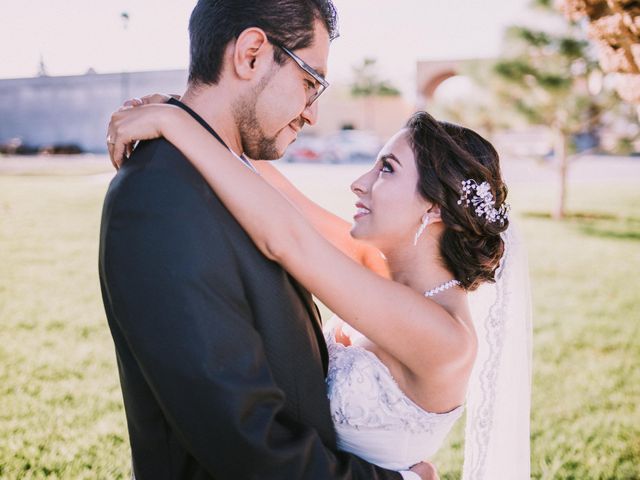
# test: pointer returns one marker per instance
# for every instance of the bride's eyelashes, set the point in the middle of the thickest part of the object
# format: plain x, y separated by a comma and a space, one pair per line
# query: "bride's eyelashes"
385, 167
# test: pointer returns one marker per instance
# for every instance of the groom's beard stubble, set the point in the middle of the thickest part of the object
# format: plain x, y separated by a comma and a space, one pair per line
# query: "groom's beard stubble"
255, 143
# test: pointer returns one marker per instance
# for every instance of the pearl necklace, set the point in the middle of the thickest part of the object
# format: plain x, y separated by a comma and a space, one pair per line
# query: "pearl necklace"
441, 288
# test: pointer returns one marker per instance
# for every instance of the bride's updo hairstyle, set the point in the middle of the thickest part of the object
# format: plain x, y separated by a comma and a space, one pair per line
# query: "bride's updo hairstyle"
446, 155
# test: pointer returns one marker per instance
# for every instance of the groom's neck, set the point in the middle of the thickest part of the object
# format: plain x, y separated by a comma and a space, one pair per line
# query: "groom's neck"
213, 104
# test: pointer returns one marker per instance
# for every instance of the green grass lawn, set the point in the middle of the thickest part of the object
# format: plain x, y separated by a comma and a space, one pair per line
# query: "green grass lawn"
61, 411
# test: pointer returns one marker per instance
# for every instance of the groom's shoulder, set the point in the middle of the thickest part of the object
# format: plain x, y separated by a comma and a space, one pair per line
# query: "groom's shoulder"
157, 154
155, 163
157, 176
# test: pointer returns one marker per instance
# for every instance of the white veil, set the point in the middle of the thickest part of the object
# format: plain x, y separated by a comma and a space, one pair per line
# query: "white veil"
499, 392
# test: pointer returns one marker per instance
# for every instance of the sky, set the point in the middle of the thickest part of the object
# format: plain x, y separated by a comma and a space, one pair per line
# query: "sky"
72, 36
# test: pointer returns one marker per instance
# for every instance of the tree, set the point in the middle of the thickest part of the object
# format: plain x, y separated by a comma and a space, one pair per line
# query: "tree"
550, 77
543, 76
367, 84
613, 26
478, 106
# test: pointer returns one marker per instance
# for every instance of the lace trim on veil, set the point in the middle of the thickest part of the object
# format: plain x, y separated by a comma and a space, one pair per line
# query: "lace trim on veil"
497, 431
483, 413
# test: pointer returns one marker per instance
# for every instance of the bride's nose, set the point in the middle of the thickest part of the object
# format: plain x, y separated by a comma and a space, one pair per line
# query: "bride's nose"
358, 186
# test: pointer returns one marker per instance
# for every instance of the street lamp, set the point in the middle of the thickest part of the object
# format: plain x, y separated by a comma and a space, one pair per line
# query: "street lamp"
124, 77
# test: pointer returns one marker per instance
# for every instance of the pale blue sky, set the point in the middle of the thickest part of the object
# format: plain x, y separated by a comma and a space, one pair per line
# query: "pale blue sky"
73, 35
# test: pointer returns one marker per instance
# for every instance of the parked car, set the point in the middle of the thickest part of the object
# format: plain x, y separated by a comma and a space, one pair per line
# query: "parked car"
305, 149
351, 146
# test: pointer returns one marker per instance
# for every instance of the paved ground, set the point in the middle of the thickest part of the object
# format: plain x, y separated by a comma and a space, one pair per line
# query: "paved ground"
586, 169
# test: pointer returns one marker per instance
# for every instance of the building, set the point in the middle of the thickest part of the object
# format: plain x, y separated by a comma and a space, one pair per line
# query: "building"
75, 110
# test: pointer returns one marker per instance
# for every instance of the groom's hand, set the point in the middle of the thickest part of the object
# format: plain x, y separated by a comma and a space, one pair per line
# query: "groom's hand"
426, 470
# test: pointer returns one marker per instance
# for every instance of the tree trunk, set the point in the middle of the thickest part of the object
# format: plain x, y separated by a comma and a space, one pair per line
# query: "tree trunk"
562, 164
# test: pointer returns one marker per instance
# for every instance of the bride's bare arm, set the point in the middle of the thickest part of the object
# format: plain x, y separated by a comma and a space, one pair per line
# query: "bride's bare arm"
332, 227
414, 329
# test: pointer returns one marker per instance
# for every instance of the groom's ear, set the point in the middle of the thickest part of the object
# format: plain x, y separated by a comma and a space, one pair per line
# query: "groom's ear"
252, 53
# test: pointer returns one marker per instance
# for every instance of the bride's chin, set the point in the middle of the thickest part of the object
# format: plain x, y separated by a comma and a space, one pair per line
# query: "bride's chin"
357, 234
354, 232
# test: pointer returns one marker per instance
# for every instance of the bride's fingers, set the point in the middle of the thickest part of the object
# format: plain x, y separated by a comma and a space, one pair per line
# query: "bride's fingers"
111, 149
133, 102
155, 98
149, 99
111, 140
127, 126
117, 143
129, 149
119, 149
116, 152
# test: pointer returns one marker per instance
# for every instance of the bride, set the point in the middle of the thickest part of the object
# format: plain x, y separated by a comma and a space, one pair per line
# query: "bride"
431, 226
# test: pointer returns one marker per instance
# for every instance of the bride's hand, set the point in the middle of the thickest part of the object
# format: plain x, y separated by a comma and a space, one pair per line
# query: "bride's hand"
134, 123
149, 99
153, 98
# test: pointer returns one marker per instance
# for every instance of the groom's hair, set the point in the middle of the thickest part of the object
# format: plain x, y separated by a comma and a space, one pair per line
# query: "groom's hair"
215, 23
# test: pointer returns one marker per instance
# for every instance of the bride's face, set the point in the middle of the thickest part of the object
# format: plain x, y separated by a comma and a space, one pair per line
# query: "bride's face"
389, 207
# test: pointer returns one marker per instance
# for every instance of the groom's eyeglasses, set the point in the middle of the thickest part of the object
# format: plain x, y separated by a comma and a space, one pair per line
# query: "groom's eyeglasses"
318, 86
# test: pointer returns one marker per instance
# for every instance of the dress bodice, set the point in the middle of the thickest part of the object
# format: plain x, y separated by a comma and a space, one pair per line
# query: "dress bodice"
373, 417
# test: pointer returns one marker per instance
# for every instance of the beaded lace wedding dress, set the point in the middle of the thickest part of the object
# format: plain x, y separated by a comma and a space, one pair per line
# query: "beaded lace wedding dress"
375, 420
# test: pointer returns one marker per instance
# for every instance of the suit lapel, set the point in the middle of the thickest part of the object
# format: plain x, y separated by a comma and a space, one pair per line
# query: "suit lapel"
305, 296
316, 322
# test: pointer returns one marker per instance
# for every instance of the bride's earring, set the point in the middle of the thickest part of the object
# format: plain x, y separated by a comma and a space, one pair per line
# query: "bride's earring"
423, 225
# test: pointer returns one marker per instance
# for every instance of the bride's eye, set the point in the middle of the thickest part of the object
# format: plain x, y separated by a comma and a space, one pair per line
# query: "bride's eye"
385, 167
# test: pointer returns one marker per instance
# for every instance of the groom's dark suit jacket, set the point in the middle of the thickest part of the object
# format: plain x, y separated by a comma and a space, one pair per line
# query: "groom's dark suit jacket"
220, 352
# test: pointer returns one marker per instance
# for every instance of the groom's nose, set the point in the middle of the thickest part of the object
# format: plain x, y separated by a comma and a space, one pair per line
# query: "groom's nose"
310, 113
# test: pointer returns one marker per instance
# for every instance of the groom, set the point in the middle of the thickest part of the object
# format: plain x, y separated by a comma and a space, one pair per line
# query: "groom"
220, 352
